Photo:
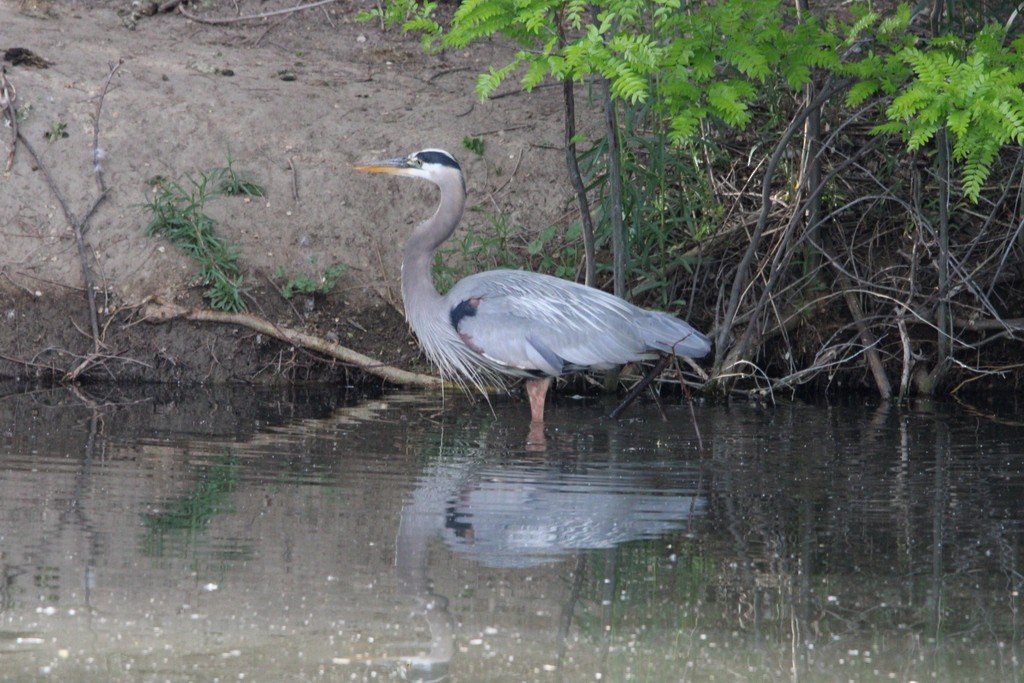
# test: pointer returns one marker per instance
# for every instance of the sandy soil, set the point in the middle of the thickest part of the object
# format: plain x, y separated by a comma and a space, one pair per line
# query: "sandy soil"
296, 100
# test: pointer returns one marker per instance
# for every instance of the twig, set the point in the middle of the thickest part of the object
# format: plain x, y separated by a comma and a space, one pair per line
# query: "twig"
27, 363
327, 15
295, 179
742, 271
3, 271
866, 338
904, 379
445, 72
387, 280
78, 226
273, 285
270, 27
689, 402
94, 359
573, 165
157, 311
492, 131
640, 386
97, 152
8, 94
251, 17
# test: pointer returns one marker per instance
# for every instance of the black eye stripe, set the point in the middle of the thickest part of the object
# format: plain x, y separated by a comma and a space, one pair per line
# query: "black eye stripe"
436, 156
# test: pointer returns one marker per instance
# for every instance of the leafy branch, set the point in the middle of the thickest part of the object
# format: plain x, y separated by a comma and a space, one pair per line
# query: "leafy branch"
973, 90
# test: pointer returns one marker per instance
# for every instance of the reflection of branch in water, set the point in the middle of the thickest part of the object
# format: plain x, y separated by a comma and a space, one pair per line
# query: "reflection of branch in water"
569, 608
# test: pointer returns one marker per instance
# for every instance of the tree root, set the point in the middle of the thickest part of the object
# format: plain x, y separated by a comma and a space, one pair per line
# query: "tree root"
157, 311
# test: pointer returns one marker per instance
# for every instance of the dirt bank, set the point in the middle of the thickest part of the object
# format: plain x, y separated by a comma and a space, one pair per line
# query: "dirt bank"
295, 100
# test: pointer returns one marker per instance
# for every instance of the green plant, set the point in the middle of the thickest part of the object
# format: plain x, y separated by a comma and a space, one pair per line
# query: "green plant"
503, 245
691, 65
412, 15
557, 254
667, 203
57, 130
973, 90
321, 283
230, 181
178, 215
474, 145
475, 251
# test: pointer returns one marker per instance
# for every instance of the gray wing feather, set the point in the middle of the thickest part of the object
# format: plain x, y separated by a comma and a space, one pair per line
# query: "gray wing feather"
533, 322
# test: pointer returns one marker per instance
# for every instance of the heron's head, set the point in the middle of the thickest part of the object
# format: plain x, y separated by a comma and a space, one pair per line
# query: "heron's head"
435, 165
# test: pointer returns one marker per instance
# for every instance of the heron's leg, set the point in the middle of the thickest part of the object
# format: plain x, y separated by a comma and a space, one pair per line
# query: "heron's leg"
537, 390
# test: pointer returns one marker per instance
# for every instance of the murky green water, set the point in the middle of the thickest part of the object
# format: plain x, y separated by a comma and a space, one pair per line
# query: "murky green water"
179, 535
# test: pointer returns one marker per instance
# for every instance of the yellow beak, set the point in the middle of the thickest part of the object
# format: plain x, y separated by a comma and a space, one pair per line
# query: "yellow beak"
399, 166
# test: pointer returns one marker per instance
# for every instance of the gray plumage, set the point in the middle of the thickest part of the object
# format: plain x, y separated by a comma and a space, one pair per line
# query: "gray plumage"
503, 323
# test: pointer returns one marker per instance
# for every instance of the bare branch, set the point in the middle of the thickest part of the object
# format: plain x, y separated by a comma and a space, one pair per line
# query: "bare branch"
157, 311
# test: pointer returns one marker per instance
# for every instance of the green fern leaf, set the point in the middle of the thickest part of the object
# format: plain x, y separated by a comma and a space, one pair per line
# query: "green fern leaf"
860, 92
626, 84
861, 25
488, 82
958, 122
685, 124
1014, 120
538, 68
725, 100
976, 171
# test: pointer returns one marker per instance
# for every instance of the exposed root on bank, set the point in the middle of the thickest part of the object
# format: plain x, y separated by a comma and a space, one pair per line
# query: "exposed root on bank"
157, 311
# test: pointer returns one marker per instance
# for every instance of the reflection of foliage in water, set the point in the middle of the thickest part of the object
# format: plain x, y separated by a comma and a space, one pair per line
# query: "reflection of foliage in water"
184, 517
715, 609
645, 575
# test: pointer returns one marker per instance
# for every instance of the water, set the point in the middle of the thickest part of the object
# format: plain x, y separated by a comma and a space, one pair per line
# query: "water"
298, 535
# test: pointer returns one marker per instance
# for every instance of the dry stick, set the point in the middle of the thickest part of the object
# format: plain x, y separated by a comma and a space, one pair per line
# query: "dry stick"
79, 226
8, 94
784, 252
573, 165
156, 311
79, 240
866, 338
689, 403
250, 17
956, 264
295, 179
97, 153
580, 188
640, 386
271, 26
740, 281
901, 325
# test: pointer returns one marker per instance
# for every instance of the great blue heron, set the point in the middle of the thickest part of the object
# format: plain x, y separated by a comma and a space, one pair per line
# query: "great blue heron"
516, 323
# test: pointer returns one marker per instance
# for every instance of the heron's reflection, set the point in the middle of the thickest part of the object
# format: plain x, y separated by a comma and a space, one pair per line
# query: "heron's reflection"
525, 514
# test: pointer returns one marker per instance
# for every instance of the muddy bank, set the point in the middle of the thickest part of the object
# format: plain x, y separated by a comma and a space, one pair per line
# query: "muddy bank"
294, 102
